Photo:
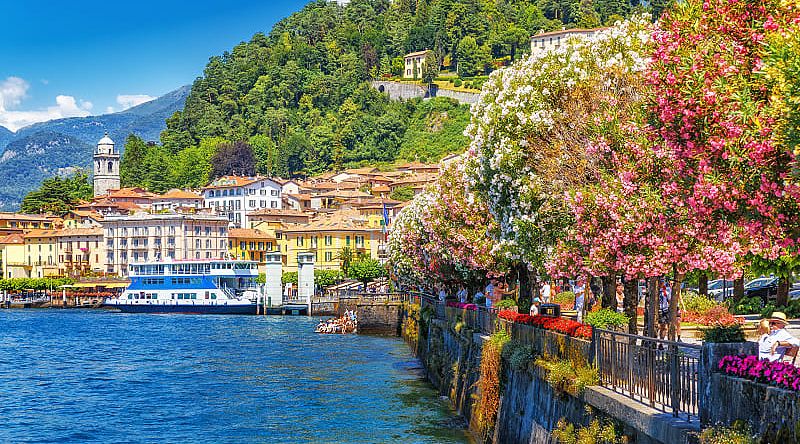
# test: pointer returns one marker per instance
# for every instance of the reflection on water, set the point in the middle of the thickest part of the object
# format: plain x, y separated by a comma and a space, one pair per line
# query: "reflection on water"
81, 376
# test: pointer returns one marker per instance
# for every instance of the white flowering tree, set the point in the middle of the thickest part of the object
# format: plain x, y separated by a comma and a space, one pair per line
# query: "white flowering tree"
533, 126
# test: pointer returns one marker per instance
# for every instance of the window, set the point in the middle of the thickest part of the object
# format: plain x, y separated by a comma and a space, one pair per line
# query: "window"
263, 204
242, 245
313, 241
347, 241
110, 167
252, 203
328, 256
273, 204
274, 192
261, 245
252, 245
360, 241
299, 241
269, 246
328, 240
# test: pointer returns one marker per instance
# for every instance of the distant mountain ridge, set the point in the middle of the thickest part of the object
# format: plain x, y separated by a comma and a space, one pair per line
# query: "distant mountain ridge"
44, 149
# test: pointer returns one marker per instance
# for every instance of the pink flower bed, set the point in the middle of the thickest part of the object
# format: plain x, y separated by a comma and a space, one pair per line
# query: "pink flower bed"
780, 374
461, 305
560, 325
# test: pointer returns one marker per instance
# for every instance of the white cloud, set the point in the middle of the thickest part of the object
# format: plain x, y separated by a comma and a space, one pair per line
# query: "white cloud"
13, 91
130, 100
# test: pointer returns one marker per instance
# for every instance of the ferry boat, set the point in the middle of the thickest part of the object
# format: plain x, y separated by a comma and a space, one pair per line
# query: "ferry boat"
210, 286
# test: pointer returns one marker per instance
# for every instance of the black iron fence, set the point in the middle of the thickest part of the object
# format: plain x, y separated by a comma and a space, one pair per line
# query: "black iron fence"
662, 374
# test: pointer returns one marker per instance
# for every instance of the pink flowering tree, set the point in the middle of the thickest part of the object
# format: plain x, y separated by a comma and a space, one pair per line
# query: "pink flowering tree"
441, 237
716, 125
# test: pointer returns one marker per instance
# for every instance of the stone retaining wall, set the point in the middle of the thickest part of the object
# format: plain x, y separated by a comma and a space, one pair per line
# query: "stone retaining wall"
405, 91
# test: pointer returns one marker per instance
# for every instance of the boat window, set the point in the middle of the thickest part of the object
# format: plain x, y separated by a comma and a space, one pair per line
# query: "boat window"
213, 296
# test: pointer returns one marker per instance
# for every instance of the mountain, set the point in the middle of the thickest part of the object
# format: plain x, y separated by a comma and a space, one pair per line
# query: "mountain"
43, 149
5, 136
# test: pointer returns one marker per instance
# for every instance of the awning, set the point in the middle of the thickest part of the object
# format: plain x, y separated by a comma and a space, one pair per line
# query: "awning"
99, 284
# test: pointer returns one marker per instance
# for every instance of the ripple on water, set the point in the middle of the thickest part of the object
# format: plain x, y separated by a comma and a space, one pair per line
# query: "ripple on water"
95, 376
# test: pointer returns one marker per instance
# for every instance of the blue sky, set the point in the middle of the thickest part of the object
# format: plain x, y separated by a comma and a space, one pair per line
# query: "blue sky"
72, 58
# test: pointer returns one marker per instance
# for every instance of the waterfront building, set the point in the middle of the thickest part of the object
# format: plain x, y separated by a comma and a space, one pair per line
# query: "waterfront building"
545, 41
12, 257
250, 244
81, 251
106, 167
11, 223
327, 235
41, 253
82, 219
414, 64
148, 237
233, 197
131, 195
270, 219
175, 199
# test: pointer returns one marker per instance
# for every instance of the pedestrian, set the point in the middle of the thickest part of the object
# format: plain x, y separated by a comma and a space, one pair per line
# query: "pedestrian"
545, 292
579, 289
778, 341
462, 293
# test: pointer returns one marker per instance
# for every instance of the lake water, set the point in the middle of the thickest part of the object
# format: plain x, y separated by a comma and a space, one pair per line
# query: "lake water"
97, 376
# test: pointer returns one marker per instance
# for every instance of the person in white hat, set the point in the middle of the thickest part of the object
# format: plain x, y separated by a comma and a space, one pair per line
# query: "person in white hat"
774, 345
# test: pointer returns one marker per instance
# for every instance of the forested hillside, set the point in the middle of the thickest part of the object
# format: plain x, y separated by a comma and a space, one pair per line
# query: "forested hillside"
300, 96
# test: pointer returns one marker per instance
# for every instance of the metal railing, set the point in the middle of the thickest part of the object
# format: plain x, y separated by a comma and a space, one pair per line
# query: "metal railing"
662, 374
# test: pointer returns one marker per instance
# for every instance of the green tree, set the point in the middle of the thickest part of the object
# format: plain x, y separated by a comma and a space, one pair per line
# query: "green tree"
132, 164
430, 69
403, 193
236, 159
471, 58
58, 195
345, 256
366, 269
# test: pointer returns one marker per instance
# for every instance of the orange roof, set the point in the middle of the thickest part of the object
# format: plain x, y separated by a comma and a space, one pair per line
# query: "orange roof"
335, 186
41, 233
248, 233
80, 232
134, 192
345, 194
23, 217
342, 220
298, 196
235, 181
12, 239
180, 194
380, 188
364, 170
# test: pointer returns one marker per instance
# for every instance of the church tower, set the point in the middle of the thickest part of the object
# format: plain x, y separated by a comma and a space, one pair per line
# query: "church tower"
106, 167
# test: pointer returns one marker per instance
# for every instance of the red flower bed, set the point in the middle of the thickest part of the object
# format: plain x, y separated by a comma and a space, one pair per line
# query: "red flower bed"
561, 325
781, 374
461, 305
718, 315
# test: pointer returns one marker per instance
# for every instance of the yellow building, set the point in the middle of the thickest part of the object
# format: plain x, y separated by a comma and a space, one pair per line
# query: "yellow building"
20, 223
249, 244
327, 236
12, 257
81, 251
41, 253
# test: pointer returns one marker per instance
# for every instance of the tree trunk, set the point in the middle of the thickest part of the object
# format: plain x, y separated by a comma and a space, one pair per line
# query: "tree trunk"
673, 302
738, 289
630, 302
782, 299
609, 292
651, 325
703, 284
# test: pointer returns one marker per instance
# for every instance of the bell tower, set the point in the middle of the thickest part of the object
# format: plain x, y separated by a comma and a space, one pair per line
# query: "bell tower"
106, 167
